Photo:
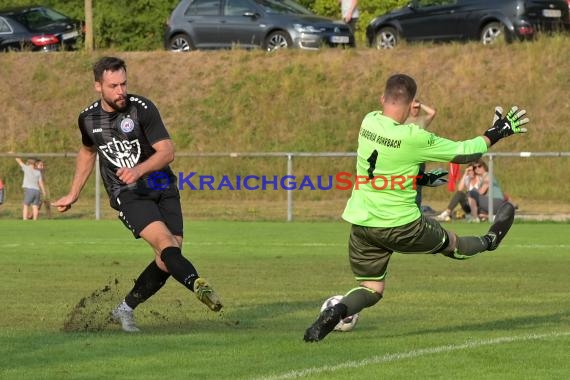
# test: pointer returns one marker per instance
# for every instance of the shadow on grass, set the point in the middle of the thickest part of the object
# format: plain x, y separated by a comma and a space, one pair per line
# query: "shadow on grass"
498, 325
237, 318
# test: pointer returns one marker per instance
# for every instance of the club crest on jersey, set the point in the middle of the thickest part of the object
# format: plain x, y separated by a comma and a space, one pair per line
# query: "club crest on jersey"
127, 125
122, 154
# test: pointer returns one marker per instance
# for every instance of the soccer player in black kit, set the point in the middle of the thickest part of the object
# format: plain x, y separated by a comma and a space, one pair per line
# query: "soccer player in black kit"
127, 132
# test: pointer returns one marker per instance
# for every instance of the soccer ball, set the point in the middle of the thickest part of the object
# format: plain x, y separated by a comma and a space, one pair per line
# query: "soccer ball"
348, 323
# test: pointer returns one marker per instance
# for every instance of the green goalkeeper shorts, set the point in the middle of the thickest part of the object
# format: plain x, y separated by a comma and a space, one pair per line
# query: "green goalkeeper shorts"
370, 248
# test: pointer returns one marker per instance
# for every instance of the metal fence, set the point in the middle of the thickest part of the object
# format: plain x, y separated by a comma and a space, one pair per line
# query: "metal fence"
290, 158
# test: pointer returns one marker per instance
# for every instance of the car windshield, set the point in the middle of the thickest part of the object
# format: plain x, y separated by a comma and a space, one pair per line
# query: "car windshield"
39, 18
283, 7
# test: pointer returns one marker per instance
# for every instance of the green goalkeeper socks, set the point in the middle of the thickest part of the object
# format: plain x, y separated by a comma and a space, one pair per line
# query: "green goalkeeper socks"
360, 298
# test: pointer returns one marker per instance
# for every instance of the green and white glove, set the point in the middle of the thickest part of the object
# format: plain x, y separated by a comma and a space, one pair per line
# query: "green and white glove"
432, 178
507, 125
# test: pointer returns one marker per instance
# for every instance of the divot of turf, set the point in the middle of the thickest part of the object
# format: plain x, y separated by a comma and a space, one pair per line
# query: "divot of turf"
92, 313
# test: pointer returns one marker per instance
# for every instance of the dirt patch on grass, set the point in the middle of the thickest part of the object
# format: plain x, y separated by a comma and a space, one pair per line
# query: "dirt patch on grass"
92, 313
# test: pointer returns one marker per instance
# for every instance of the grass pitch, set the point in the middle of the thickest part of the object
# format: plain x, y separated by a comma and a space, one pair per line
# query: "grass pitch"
501, 315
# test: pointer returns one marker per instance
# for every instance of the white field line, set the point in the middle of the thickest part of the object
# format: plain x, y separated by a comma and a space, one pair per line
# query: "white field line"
295, 374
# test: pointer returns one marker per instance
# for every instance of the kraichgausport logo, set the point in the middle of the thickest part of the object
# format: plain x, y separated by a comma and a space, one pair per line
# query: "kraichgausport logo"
340, 181
158, 181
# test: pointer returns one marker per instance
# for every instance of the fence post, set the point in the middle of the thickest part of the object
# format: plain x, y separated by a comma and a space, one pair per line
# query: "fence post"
289, 192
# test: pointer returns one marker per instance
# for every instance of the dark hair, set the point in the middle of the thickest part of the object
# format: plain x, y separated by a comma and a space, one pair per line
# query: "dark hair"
482, 163
107, 63
400, 88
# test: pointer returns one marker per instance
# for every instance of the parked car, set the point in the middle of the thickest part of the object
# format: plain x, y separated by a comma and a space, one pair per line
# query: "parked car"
462, 20
266, 24
37, 28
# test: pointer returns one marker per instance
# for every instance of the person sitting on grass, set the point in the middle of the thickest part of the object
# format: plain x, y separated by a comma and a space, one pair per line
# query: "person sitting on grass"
469, 182
421, 115
478, 199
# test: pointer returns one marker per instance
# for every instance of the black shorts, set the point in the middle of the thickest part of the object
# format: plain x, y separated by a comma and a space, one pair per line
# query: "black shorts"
138, 210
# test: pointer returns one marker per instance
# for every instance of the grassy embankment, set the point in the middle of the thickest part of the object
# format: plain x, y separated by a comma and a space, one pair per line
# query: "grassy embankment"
294, 101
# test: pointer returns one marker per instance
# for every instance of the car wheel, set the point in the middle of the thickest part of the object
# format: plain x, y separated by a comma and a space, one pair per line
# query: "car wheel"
492, 32
278, 40
386, 38
181, 42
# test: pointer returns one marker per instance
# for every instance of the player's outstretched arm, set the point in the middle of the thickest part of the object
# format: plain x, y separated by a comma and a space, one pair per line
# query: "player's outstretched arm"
83, 168
504, 126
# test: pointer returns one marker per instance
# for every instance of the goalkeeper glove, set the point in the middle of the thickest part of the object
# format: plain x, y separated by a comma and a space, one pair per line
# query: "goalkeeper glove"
498, 114
507, 125
432, 178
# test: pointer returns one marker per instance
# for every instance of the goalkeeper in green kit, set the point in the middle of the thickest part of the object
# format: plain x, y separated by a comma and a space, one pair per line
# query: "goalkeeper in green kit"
386, 219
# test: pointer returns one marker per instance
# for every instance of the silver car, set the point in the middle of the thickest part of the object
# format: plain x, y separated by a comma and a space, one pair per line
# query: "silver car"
266, 24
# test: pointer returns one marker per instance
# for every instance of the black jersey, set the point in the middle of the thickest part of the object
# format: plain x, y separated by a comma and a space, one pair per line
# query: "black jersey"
123, 139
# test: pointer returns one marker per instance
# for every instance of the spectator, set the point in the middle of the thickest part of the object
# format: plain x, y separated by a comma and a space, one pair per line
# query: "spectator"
469, 182
478, 198
416, 117
421, 120
40, 165
32, 184
350, 13
2, 194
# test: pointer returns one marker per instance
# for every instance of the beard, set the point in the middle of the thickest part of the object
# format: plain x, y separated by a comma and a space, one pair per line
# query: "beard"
118, 105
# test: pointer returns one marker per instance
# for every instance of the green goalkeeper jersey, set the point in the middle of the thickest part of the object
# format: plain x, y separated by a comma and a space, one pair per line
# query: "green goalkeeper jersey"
390, 153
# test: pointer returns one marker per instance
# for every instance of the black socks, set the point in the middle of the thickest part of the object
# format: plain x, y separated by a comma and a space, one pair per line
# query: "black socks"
149, 282
179, 267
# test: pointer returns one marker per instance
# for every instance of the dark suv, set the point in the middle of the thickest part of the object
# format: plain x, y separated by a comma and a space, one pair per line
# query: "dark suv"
462, 20
269, 24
